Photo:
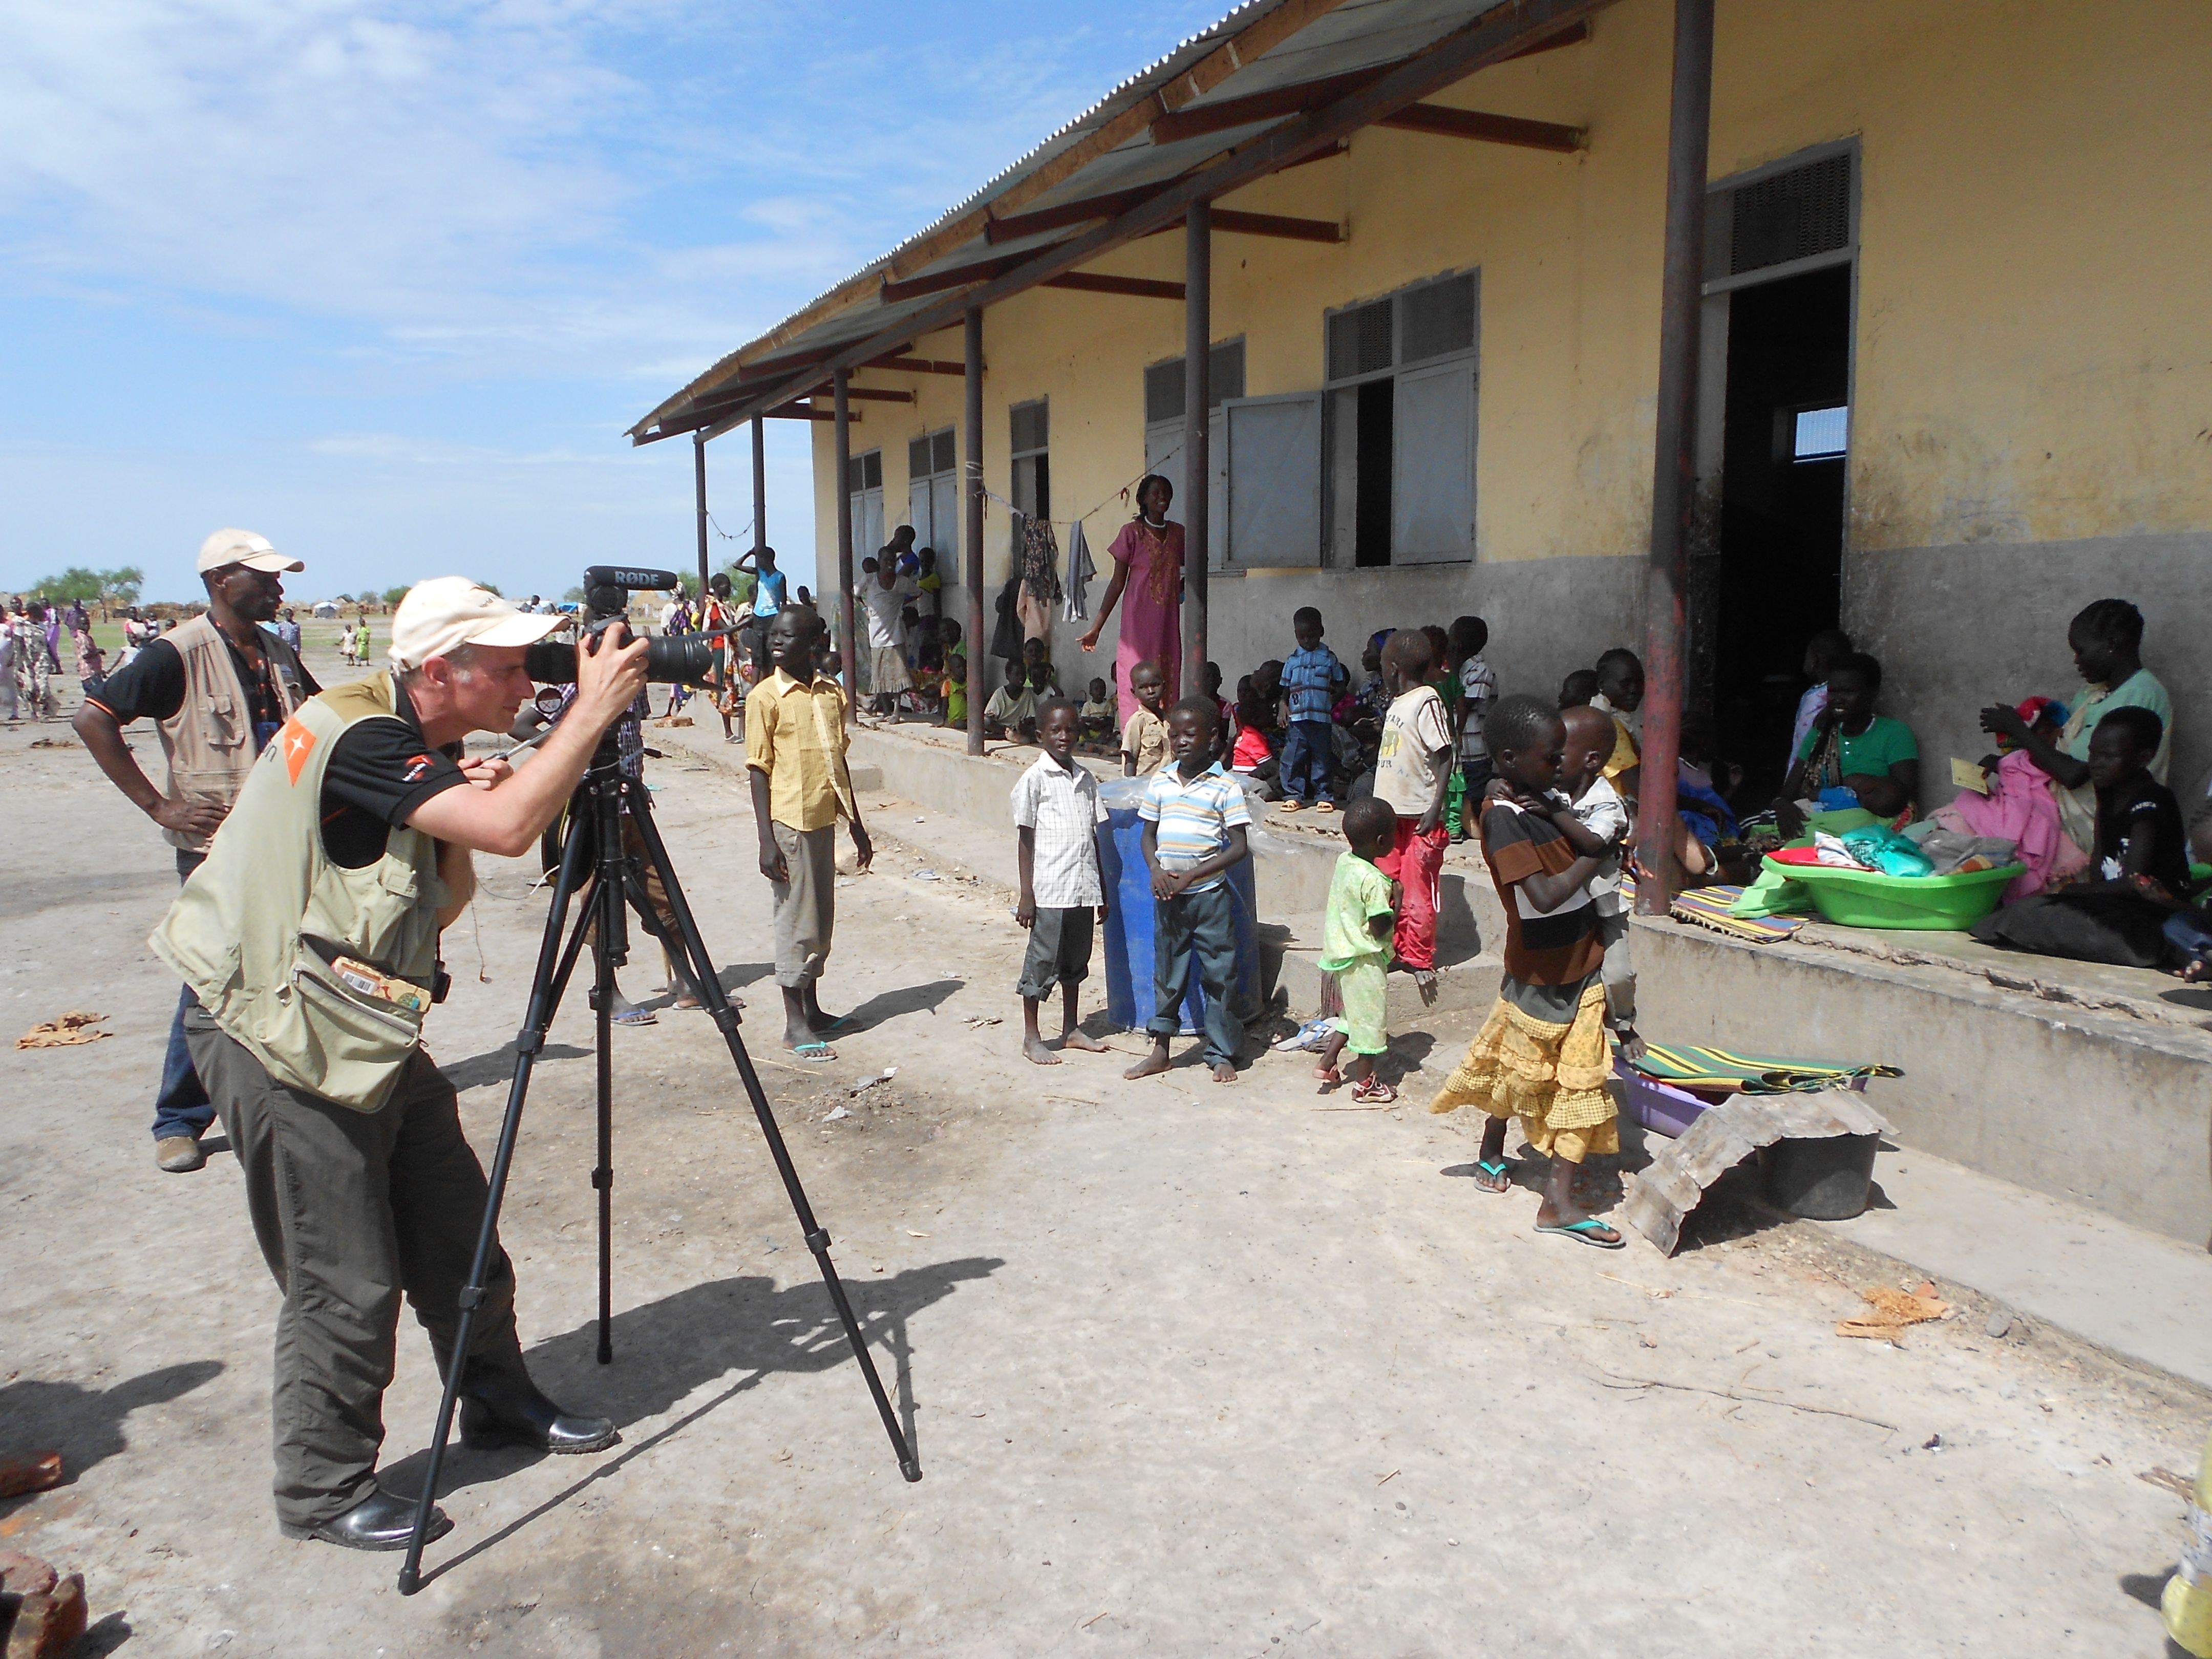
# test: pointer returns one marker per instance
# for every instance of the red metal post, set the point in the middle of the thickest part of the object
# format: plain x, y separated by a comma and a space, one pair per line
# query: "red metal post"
1673, 481
972, 524
1197, 411
848, 648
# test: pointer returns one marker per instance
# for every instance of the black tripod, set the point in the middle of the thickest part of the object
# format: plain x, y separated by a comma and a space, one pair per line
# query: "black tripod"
594, 848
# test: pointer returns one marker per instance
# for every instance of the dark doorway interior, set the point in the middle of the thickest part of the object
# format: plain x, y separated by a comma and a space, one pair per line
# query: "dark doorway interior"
1371, 502
1782, 516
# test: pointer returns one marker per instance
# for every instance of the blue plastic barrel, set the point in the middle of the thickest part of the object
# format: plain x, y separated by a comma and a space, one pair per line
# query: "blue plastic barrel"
1130, 997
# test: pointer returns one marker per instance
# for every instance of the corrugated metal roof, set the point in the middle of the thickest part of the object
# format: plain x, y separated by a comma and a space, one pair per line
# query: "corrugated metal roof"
1324, 40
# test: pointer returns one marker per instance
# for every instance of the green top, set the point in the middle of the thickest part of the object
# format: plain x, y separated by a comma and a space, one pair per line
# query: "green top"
2140, 690
1358, 893
1874, 750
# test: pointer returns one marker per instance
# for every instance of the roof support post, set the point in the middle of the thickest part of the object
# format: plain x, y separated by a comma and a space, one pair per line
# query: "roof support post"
760, 485
843, 416
971, 521
699, 475
1197, 462
1673, 481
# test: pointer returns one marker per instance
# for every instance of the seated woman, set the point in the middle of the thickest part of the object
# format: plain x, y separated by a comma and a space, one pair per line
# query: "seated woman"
2138, 878
1850, 748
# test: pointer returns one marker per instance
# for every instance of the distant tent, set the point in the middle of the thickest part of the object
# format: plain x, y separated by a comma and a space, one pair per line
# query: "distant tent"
326, 608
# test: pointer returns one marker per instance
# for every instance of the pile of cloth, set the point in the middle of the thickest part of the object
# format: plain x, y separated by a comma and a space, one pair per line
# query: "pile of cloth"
1926, 848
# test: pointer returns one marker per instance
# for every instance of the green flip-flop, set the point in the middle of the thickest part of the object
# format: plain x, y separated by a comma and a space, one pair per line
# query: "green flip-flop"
1584, 1232
816, 1052
1501, 1170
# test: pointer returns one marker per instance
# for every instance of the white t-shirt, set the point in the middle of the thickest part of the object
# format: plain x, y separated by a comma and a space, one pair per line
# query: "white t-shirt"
884, 606
1404, 766
1605, 815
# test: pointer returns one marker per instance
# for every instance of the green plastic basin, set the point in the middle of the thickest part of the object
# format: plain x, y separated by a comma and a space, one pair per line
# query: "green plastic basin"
1862, 898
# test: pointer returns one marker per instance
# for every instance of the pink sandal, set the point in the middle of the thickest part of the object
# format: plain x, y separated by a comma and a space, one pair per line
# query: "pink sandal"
1372, 1091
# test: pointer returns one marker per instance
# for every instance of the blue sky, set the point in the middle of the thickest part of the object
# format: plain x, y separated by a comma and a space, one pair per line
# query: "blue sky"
387, 282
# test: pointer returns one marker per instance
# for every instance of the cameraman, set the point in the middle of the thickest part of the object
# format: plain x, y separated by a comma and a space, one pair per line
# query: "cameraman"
311, 938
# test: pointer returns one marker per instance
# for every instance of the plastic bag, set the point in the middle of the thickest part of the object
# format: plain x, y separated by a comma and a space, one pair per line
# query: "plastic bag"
1886, 851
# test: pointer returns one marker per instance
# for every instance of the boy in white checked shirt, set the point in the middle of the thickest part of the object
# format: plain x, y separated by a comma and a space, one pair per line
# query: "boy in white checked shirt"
1057, 813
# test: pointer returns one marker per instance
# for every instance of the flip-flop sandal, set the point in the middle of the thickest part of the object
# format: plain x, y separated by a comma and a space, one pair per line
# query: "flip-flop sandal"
1373, 1091
816, 1052
1584, 1232
1326, 806
1288, 806
1501, 1171
633, 1017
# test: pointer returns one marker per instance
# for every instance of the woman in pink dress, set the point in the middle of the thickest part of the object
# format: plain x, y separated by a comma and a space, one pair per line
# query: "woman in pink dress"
1148, 566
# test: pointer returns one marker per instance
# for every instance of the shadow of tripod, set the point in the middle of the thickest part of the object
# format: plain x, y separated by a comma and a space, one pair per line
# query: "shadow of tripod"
602, 805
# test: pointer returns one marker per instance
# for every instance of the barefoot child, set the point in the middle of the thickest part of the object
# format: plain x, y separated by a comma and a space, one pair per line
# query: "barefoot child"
1362, 904
1412, 775
1540, 1056
1194, 822
795, 754
1057, 813
1599, 807
1145, 737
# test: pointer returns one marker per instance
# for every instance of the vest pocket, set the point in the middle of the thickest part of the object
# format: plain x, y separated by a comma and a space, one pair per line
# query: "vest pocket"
321, 1035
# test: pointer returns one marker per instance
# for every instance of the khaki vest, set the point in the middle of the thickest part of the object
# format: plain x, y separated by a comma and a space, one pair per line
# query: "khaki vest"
253, 930
209, 739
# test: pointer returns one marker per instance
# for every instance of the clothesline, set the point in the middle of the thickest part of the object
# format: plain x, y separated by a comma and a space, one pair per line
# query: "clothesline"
1121, 495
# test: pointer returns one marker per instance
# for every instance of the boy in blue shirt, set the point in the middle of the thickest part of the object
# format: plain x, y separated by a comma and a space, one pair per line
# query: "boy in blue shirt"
1312, 677
1194, 822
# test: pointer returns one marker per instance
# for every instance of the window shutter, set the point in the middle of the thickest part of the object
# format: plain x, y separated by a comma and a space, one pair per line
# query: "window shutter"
1274, 481
1432, 438
1032, 428
945, 458
1163, 391
917, 458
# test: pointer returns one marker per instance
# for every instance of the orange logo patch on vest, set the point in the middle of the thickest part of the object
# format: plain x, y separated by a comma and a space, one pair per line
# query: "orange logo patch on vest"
299, 743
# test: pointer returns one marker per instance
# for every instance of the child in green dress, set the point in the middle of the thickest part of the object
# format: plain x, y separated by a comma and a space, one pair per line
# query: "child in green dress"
1356, 932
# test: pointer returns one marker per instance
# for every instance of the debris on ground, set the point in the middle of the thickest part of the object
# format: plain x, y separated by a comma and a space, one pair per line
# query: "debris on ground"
1892, 1310
977, 1022
833, 1116
925, 875
2179, 1485
72, 1028
1675, 1183
52, 742
33, 1473
42, 1613
673, 719
884, 1076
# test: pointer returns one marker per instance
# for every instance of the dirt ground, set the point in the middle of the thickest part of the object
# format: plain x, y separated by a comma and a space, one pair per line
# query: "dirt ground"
1192, 1370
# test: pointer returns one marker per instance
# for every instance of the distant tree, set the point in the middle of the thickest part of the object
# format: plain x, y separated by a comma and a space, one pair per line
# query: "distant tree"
74, 583
118, 589
393, 595
491, 587
574, 595
688, 585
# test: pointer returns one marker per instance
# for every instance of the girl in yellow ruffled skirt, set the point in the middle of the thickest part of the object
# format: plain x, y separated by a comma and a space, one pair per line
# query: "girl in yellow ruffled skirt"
1542, 1056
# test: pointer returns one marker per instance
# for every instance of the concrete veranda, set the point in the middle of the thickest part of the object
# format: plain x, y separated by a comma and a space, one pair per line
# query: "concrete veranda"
1193, 1370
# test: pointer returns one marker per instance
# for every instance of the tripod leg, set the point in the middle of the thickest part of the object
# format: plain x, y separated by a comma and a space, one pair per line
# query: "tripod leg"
551, 978
612, 949
708, 985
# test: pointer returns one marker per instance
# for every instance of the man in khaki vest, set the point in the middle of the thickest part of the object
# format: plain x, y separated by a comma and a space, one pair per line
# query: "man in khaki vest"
310, 937
217, 689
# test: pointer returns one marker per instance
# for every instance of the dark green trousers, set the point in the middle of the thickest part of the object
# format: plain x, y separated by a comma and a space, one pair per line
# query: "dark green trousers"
353, 1209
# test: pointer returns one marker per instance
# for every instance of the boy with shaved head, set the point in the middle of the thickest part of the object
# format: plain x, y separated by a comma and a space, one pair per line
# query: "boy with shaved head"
1413, 777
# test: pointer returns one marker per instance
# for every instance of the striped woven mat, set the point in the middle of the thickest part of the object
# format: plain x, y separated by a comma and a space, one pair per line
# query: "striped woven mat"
1708, 907
1689, 1067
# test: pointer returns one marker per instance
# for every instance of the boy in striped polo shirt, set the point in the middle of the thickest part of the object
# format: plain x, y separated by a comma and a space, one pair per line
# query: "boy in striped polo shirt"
1194, 822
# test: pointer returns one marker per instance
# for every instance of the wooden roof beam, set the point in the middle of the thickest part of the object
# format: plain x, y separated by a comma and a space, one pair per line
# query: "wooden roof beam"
1448, 123
1273, 105
1270, 224
800, 412
1081, 211
868, 394
916, 366
1140, 287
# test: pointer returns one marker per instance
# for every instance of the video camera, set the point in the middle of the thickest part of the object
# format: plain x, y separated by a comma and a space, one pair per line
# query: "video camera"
607, 588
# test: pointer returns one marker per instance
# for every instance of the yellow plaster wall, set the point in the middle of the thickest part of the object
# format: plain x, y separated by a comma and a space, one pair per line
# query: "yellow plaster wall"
2034, 361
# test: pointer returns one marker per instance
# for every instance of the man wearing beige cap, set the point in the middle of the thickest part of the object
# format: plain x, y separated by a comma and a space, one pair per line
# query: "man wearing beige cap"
217, 689
311, 938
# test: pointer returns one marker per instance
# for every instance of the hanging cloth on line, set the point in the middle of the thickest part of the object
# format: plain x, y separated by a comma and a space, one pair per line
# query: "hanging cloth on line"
1080, 570
1038, 561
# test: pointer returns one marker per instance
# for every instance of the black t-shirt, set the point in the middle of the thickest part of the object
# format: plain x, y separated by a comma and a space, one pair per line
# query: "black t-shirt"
380, 771
151, 685
2142, 802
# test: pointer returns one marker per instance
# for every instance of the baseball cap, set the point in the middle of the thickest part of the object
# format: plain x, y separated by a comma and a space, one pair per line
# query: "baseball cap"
228, 547
447, 612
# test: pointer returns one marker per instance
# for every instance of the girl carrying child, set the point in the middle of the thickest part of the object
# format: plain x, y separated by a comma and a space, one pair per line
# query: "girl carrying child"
1541, 1055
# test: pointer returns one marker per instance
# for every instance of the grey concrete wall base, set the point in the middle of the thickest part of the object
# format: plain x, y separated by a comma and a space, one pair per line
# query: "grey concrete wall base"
2097, 1108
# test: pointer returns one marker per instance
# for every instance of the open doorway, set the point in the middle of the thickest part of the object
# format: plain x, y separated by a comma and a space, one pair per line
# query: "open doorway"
1782, 508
